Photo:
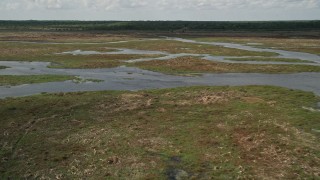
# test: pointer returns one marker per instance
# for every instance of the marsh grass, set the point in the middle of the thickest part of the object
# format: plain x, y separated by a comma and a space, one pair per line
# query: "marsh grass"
290, 44
12, 51
248, 132
267, 59
172, 46
35, 52
197, 132
12, 80
66, 37
83, 80
187, 65
92, 61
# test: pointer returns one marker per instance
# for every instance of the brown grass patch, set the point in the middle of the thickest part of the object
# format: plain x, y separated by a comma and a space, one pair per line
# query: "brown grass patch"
64, 36
197, 65
269, 159
253, 100
206, 98
290, 44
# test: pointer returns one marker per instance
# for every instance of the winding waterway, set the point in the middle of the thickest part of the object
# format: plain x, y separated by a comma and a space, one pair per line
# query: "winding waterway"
129, 78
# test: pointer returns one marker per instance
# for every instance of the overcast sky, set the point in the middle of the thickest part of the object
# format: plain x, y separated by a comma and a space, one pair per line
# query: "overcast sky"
217, 10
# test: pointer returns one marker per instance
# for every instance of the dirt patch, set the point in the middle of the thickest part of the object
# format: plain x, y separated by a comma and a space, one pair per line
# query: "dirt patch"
247, 141
219, 97
253, 100
206, 98
269, 159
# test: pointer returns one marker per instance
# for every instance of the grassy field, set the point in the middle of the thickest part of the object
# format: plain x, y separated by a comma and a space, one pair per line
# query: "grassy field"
10, 80
290, 44
247, 132
67, 37
182, 47
12, 51
41, 52
187, 65
46, 52
251, 132
93, 61
270, 59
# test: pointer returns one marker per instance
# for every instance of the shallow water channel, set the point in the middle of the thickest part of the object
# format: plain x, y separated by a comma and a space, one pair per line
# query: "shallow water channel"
129, 78
314, 59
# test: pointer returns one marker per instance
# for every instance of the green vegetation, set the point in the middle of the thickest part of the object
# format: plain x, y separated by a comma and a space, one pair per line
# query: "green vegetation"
95, 80
67, 37
14, 51
48, 52
83, 80
172, 46
3, 67
187, 65
269, 59
92, 61
42, 52
181, 26
311, 45
11, 80
248, 132
251, 132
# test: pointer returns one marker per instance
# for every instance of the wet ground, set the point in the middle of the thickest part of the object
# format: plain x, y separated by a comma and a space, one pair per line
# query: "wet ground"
128, 78
281, 54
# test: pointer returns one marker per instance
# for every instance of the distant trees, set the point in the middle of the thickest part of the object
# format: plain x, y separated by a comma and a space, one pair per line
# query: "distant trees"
170, 26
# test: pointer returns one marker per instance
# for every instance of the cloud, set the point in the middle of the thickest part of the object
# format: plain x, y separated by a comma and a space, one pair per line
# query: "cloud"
11, 5
223, 4
156, 4
50, 4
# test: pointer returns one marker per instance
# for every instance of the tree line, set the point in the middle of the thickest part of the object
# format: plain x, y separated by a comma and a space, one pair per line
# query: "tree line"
161, 25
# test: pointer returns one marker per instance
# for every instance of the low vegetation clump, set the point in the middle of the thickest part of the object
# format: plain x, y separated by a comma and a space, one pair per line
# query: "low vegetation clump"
20, 51
251, 132
66, 37
11, 51
267, 59
185, 65
12, 80
175, 47
79, 80
93, 61
308, 45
